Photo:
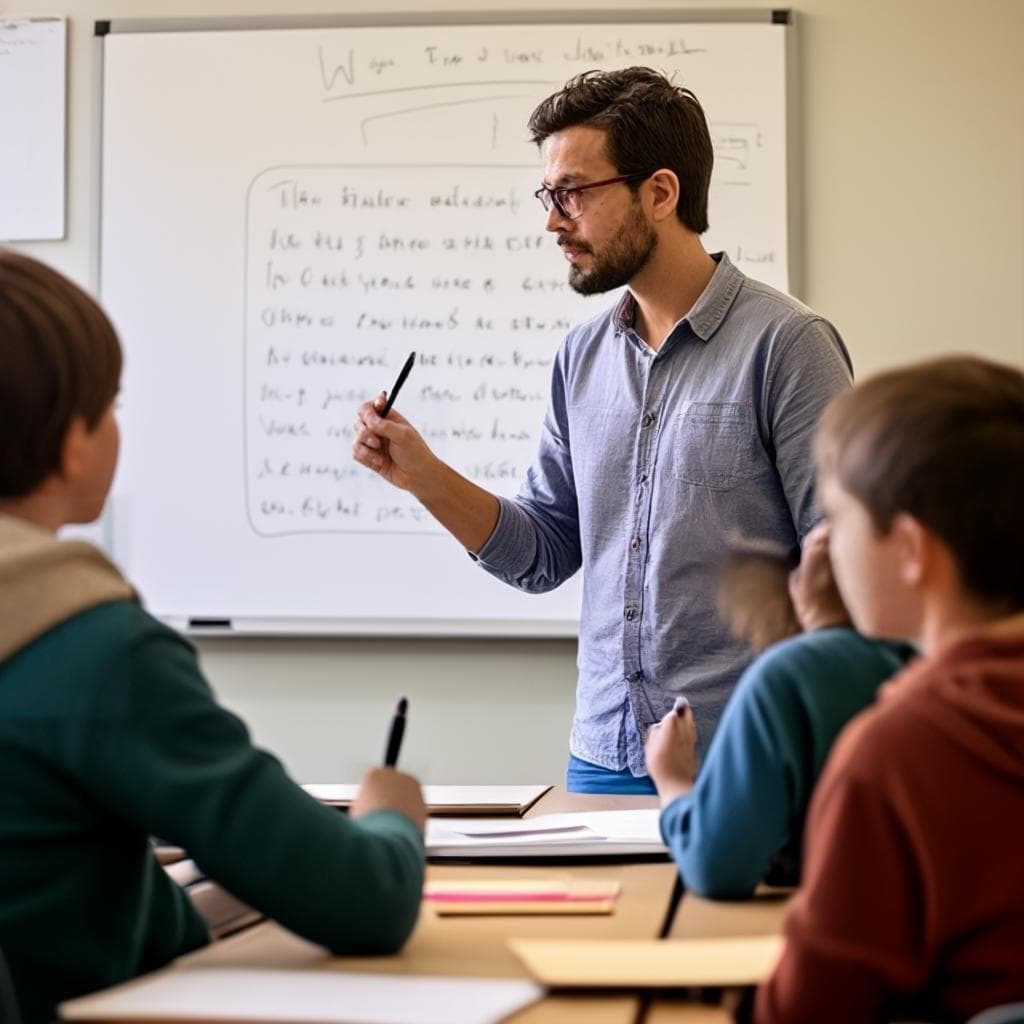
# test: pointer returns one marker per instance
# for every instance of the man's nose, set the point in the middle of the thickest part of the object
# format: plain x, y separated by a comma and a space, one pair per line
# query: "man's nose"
556, 220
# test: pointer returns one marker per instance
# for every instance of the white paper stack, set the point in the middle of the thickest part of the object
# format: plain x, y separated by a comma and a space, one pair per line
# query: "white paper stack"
575, 834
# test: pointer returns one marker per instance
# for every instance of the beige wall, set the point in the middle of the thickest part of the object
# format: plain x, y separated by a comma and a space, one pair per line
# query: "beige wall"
913, 169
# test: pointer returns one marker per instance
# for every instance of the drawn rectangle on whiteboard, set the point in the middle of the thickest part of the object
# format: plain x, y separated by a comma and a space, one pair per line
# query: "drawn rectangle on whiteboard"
33, 55
287, 211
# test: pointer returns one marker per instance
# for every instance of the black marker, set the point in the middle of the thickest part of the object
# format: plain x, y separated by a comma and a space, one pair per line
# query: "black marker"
398, 721
398, 385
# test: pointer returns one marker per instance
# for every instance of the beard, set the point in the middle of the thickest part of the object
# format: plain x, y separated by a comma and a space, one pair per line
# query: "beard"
624, 258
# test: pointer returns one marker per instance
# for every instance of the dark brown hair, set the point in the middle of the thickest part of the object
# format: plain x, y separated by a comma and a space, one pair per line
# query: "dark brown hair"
942, 441
59, 358
650, 124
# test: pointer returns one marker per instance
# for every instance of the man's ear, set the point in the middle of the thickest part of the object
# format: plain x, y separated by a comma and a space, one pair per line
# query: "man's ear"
663, 187
914, 549
75, 451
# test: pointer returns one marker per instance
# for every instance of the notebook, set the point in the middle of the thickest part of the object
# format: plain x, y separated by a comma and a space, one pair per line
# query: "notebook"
495, 897
654, 963
446, 799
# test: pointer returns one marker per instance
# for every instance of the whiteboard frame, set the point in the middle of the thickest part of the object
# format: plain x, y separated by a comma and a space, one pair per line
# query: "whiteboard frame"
283, 626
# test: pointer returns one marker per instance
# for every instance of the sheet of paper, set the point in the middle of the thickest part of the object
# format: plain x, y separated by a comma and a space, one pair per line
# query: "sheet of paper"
33, 56
601, 833
658, 963
458, 799
312, 997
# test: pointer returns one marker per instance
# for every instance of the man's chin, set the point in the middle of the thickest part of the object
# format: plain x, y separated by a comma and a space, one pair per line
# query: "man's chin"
584, 284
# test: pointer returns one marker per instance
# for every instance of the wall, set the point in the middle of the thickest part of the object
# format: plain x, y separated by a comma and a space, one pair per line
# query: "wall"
913, 124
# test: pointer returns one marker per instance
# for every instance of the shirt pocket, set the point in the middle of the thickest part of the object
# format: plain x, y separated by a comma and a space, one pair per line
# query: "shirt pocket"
708, 444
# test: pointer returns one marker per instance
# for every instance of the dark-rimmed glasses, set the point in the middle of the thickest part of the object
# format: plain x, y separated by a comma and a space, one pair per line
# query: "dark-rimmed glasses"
567, 199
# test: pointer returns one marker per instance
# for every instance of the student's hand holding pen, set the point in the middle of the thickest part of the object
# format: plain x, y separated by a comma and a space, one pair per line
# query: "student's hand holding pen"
671, 752
384, 789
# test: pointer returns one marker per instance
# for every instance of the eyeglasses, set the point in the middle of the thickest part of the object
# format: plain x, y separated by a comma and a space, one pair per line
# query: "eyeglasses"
568, 199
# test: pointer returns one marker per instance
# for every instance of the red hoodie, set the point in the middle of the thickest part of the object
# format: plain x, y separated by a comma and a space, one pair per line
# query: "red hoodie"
913, 898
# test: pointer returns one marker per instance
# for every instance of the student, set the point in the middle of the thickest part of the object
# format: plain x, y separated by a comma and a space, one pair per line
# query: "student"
679, 415
109, 733
742, 820
912, 905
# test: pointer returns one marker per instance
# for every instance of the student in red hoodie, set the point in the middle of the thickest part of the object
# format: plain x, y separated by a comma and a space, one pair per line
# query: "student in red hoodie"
913, 899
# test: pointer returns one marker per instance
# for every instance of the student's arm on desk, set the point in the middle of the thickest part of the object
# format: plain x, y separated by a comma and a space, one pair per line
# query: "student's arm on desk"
184, 768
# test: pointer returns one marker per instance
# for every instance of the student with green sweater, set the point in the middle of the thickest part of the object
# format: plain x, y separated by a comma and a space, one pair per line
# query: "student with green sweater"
109, 734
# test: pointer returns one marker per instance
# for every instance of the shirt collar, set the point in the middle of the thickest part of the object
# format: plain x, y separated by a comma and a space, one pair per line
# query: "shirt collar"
708, 311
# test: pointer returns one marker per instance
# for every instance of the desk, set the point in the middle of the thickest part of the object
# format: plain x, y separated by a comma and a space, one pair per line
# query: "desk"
477, 946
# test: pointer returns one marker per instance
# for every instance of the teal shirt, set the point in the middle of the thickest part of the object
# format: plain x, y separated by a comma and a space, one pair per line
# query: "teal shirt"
109, 734
748, 806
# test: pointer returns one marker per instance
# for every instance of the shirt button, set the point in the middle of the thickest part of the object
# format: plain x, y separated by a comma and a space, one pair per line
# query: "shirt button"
630, 613
635, 543
634, 677
643, 478
648, 419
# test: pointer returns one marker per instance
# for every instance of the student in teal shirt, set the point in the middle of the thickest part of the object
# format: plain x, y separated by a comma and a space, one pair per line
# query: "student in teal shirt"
109, 733
740, 819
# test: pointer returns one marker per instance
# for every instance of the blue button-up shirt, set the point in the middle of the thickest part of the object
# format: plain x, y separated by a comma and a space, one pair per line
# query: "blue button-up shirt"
648, 463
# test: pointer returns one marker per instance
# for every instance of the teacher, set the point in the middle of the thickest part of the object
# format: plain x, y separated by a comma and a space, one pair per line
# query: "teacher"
679, 416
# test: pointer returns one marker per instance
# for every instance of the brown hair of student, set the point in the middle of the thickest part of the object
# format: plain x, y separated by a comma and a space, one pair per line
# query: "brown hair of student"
942, 441
650, 124
59, 359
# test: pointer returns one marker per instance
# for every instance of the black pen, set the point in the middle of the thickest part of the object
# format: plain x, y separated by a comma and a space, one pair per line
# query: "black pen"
398, 385
396, 732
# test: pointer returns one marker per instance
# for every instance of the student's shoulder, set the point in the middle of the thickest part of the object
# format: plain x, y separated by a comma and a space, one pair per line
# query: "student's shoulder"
117, 641
801, 659
120, 623
819, 669
791, 663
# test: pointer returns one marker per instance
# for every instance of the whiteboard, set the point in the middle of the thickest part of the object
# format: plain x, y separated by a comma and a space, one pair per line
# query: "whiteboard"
287, 212
33, 58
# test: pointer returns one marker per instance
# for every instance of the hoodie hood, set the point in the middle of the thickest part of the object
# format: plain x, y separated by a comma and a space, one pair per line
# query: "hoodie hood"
45, 581
974, 692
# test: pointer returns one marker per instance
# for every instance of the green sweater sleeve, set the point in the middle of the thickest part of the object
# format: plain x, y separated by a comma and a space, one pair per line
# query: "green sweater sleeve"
165, 756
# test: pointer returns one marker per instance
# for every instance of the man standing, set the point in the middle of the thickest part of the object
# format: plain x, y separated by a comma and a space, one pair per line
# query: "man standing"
681, 415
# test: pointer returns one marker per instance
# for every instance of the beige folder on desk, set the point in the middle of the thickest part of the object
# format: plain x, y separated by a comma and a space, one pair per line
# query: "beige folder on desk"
655, 963
466, 800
